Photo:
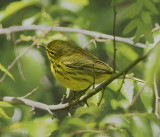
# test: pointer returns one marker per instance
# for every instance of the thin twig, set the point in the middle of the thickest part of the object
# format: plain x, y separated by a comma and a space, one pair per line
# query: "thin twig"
73, 30
120, 86
101, 98
91, 41
17, 58
94, 40
101, 40
69, 114
33, 110
23, 53
30, 93
62, 99
156, 96
157, 27
18, 61
114, 38
136, 96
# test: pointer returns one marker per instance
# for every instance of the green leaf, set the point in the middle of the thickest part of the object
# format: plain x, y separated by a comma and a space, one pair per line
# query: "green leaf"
115, 84
128, 56
138, 106
117, 119
63, 126
155, 128
124, 104
79, 2
128, 89
114, 104
153, 65
77, 122
146, 17
144, 26
108, 94
14, 7
130, 13
81, 111
6, 110
130, 26
149, 5
114, 132
116, 2
140, 127
140, 30
156, 1
147, 26
26, 38
6, 71
152, 117
147, 98
41, 127
134, 9
148, 35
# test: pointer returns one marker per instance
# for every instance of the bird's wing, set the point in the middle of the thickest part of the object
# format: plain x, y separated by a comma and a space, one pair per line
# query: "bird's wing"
80, 62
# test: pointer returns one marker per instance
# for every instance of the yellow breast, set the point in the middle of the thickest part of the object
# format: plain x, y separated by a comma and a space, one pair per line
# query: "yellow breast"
74, 80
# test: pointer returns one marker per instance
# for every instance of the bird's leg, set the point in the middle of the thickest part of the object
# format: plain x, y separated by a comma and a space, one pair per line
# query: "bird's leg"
74, 95
79, 94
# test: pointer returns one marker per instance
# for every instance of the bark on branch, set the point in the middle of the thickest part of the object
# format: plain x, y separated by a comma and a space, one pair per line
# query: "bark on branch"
66, 29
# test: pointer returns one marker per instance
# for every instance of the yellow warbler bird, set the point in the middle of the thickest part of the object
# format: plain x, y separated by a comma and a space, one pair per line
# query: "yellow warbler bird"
74, 67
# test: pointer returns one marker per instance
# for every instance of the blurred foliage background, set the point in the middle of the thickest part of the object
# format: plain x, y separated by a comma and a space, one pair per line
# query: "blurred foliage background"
114, 117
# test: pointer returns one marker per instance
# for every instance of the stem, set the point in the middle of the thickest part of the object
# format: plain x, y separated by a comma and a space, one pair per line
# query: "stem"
114, 39
156, 96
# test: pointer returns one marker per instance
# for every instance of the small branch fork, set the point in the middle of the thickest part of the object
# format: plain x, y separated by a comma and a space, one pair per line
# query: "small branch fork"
34, 90
50, 108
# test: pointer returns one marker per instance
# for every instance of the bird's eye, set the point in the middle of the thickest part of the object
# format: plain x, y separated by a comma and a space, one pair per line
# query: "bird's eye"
51, 53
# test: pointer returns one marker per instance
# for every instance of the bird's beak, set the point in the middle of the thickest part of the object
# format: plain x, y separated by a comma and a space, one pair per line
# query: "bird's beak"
42, 46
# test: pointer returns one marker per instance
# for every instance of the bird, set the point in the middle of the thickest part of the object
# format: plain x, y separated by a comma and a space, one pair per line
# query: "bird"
75, 68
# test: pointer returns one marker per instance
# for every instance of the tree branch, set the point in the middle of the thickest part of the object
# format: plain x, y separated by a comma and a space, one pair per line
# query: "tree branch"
65, 29
49, 108
34, 104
